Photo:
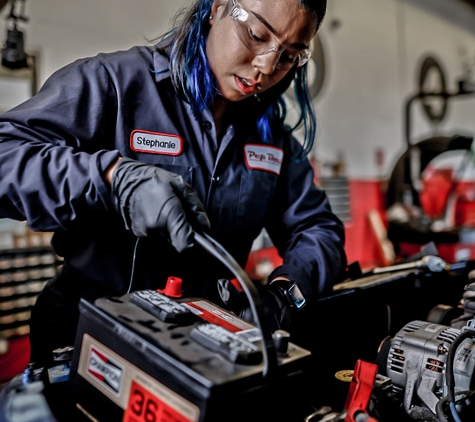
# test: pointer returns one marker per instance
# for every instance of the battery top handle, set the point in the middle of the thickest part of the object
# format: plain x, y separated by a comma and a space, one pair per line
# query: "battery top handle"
215, 249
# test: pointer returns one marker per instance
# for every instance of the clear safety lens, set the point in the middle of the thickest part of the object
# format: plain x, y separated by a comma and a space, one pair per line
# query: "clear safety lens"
260, 40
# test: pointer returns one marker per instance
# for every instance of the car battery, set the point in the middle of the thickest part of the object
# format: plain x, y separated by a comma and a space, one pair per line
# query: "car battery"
145, 357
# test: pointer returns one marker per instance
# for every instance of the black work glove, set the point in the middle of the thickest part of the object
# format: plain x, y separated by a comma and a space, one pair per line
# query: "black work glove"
276, 312
155, 201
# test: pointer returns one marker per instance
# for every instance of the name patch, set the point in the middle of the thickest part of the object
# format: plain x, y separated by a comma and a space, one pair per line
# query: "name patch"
156, 143
261, 157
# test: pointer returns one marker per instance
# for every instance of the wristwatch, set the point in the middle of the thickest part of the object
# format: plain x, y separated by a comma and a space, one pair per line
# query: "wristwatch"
290, 290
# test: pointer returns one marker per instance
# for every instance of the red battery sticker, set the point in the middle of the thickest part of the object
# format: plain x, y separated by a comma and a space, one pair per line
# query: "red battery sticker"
143, 406
211, 313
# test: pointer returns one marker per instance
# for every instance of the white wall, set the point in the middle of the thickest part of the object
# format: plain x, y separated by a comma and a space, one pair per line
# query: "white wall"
63, 30
374, 58
373, 50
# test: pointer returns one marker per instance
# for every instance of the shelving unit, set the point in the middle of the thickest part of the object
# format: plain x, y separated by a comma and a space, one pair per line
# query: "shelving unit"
23, 275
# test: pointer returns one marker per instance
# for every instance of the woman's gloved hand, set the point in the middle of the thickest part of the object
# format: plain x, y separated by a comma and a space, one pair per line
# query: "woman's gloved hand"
276, 310
155, 201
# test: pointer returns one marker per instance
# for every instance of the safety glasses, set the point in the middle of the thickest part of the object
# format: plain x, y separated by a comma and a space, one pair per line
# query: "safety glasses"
260, 40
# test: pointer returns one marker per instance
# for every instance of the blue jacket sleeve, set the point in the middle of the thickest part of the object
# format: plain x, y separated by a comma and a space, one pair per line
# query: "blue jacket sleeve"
53, 149
305, 231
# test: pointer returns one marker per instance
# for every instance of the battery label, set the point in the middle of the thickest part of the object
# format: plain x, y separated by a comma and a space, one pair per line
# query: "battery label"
142, 397
144, 406
105, 370
218, 316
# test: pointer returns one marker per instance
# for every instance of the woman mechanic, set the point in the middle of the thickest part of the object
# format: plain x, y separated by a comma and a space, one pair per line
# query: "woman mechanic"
125, 155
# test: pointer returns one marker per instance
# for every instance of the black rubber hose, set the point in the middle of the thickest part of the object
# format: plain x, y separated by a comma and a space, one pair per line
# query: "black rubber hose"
215, 249
444, 400
449, 372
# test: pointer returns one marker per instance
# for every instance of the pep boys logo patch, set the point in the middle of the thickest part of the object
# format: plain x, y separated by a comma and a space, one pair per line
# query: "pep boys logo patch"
261, 157
156, 143
105, 370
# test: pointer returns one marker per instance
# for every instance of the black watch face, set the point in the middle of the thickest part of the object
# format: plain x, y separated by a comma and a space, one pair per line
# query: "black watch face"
296, 296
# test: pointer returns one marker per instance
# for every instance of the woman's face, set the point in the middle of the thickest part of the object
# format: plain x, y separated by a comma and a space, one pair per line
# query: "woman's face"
241, 72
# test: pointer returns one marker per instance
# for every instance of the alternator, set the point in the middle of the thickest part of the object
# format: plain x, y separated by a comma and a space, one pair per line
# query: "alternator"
417, 363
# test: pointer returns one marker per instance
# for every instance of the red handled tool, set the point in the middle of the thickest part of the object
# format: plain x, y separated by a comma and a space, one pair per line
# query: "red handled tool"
360, 391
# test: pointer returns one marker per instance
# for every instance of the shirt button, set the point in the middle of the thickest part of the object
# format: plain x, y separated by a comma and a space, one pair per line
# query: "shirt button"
216, 179
207, 125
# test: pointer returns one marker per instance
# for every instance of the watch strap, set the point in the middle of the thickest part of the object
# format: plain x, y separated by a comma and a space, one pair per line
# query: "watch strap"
291, 293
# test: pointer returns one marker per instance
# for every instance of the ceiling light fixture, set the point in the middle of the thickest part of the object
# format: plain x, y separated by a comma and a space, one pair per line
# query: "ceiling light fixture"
13, 51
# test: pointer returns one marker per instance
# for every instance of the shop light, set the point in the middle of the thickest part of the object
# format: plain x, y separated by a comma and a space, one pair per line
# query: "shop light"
13, 51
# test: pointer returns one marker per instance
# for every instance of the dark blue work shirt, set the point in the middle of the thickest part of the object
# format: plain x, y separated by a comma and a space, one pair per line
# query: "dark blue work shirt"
56, 147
